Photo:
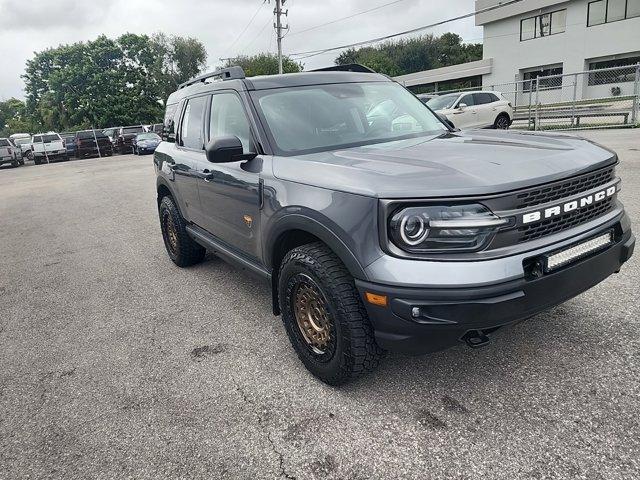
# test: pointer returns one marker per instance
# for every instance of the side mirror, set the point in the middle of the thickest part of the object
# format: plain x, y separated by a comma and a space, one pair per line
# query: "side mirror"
462, 106
443, 118
227, 149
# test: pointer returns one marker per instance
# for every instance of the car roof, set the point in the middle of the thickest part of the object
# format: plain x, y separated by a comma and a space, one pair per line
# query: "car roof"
265, 82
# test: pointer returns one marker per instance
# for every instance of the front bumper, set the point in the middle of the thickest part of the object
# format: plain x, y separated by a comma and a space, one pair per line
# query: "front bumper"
448, 314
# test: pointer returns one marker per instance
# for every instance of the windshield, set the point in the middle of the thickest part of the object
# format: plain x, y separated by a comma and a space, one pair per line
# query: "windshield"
325, 117
442, 103
88, 134
45, 138
148, 136
4, 142
132, 129
22, 141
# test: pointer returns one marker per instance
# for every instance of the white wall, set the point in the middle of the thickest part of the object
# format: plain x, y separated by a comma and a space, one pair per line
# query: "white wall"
572, 48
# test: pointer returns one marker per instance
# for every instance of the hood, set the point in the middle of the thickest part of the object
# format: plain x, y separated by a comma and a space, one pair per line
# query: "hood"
454, 164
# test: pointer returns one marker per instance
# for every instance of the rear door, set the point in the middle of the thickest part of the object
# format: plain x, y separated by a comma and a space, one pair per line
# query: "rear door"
229, 192
187, 154
485, 108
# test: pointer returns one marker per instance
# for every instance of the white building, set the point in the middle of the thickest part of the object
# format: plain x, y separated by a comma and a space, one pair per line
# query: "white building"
535, 38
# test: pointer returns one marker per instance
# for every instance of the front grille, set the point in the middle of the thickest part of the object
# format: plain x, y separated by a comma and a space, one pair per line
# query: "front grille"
565, 222
565, 189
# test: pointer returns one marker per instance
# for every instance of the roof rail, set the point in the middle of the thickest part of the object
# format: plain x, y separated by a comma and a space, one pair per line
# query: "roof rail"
230, 73
350, 67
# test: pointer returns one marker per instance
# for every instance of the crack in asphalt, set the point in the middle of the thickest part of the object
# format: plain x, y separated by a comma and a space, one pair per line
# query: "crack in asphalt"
261, 424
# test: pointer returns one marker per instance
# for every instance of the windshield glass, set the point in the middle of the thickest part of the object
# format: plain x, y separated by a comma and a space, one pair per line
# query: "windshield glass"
4, 142
148, 136
88, 134
45, 138
443, 102
22, 141
325, 117
132, 129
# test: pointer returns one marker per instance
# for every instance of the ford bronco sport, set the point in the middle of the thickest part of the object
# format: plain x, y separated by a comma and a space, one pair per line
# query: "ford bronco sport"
381, 228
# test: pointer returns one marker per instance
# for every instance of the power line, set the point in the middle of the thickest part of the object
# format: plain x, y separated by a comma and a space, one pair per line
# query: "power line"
247, 25
312, 53
345, 18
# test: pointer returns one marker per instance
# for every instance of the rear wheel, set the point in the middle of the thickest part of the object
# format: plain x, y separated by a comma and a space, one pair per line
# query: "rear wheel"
182, 249
502, 122
325, 319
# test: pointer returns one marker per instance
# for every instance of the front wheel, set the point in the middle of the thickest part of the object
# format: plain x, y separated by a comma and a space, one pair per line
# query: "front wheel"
502, 122
182, 249
324, 317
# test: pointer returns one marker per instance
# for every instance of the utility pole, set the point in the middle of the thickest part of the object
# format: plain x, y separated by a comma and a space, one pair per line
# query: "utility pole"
279, 28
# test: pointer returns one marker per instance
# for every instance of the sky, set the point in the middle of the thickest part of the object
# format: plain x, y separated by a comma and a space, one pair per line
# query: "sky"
223, 26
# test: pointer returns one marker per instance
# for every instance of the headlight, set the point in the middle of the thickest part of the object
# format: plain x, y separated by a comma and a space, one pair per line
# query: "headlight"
431, 229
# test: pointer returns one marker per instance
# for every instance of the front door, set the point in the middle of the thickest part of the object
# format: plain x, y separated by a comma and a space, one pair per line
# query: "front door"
229, 192
466, 117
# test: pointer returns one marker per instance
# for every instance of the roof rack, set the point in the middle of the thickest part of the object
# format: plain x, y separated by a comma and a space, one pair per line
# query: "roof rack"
230, 73
350, 67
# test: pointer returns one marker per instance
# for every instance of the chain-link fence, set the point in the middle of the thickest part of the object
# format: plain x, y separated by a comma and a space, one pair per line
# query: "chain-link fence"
607, 97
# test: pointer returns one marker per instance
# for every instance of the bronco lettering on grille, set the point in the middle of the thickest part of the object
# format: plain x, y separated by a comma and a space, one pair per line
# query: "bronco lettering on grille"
568, 207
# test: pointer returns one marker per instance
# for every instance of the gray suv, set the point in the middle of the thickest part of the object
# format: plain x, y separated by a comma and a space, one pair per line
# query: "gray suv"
378, 226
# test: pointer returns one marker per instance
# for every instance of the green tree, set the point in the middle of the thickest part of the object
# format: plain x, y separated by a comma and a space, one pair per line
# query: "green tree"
264, 64
12, 117
107, 82
399, 57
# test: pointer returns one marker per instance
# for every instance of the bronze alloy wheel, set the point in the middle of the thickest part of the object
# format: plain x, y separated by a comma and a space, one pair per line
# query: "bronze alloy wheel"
312, 316
172, 233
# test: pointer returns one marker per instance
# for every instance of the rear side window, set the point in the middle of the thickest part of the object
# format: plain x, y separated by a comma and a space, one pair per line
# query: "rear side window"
228, 118
191, 129
4, 142
168, 131
482, 98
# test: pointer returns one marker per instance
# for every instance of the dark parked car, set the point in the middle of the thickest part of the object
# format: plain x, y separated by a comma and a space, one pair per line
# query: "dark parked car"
86, 144
145, 143
69, 139
125, 136
391, 232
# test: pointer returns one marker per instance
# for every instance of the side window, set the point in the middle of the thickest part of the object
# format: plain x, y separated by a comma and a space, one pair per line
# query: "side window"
228, 118
168, 132
191, 128
482, 98
468, 100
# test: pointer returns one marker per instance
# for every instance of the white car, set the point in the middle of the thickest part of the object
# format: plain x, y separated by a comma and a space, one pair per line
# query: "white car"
481, 109
10, 153
23, 141
48, 147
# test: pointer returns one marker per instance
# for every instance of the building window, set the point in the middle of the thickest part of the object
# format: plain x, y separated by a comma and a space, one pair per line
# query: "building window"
619, 75
605, 11
543, 25
531, 79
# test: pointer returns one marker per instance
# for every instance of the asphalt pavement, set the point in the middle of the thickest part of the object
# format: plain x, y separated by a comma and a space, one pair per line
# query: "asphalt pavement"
114, 363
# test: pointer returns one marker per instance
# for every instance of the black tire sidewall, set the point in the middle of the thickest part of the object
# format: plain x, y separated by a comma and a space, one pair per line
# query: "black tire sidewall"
332, 371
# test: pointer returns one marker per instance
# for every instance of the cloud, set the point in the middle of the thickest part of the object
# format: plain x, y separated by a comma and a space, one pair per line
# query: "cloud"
33, 25
47, 16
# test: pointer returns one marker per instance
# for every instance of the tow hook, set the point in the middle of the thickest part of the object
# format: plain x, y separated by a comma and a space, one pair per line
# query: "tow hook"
476, 338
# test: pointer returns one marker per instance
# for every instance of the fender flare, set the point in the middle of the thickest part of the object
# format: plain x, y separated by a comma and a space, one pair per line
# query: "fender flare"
322, 228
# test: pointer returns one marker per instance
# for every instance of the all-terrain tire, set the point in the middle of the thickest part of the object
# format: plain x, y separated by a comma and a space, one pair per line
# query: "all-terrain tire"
353, 349
182, 249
